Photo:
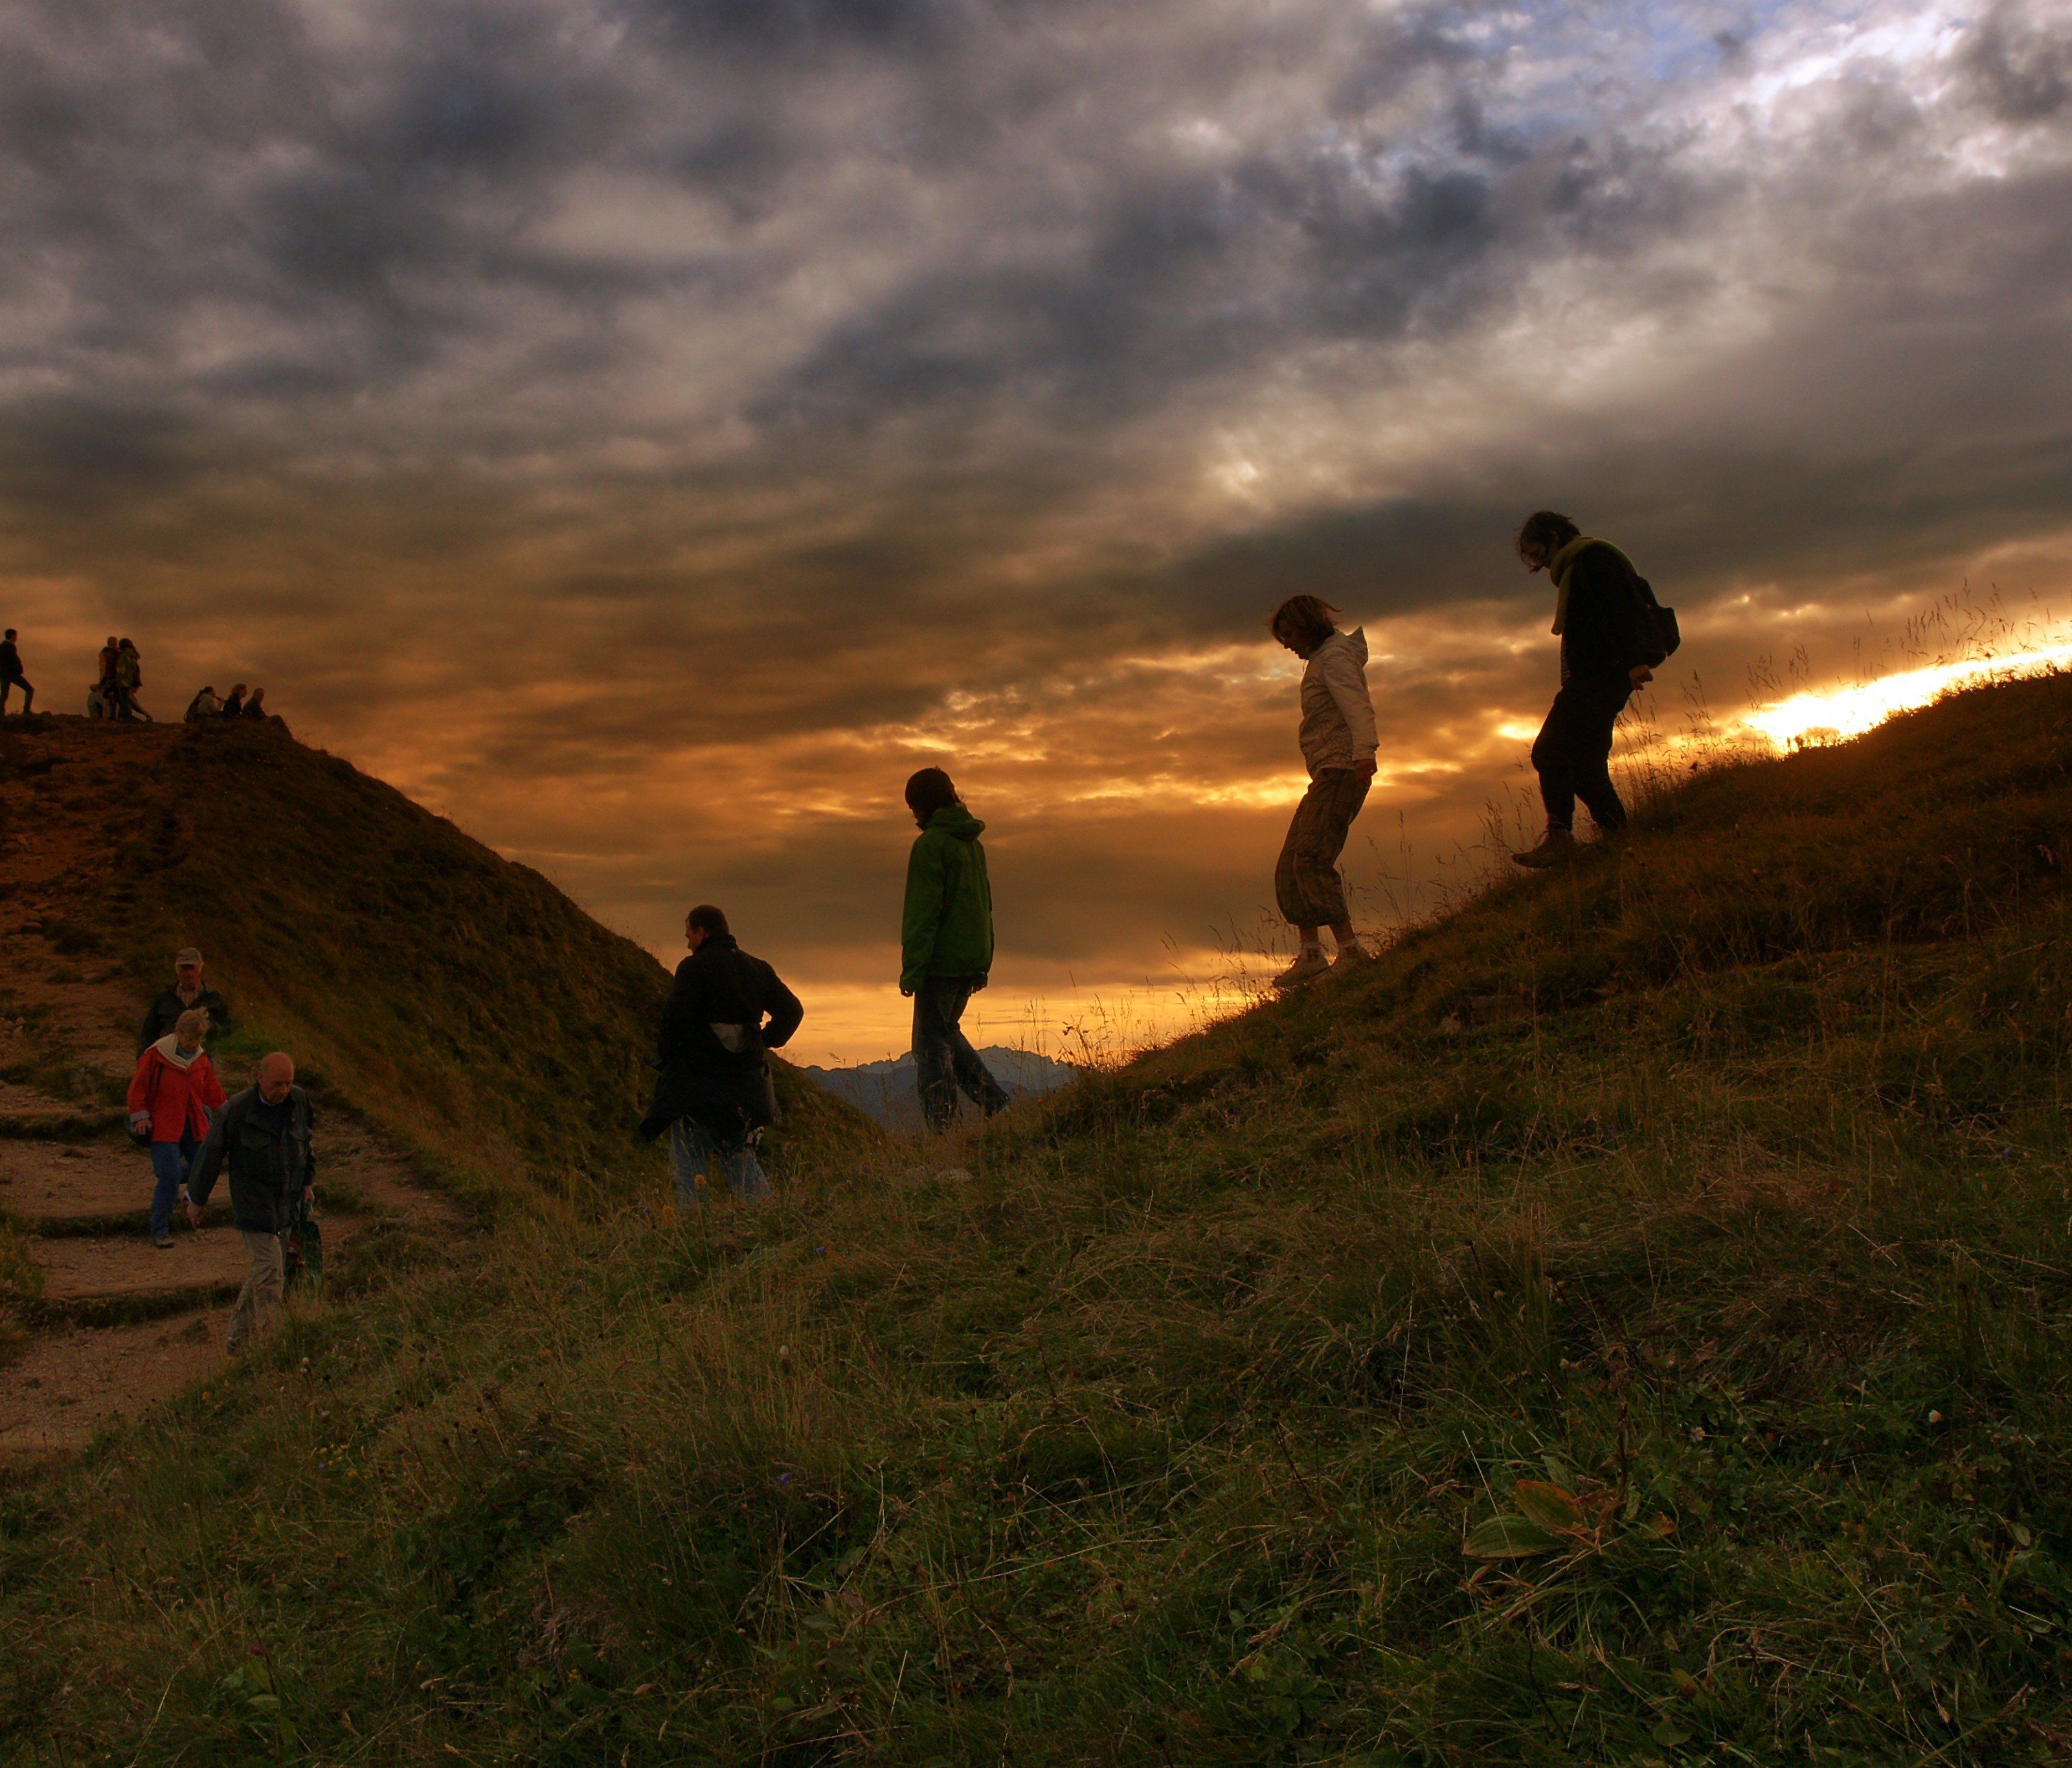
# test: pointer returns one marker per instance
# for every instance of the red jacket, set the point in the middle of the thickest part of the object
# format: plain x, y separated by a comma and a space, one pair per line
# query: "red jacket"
178, 1100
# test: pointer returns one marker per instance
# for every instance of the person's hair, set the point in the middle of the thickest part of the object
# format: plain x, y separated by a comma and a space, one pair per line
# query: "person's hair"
258, 693
1544, 531
194, 1020
1305, 618
238, 687
125, 645
707, 919
11, 632
929, 790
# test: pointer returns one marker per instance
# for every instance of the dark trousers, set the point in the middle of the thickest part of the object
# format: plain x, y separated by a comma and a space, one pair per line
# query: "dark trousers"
1573, 751
943, 1059
1306, 883
169, 1161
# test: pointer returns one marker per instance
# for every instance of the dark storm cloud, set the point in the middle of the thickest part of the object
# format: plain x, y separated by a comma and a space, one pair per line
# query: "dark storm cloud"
775, 392
2021, 57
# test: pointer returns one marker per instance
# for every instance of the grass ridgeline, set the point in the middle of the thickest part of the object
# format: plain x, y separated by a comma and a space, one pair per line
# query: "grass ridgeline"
1686, 1234
458, 998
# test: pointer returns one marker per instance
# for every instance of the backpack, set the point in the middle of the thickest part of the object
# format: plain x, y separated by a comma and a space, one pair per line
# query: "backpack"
1661, 620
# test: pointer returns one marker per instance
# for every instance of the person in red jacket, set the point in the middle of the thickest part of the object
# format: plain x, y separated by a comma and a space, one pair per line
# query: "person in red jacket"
171, 1096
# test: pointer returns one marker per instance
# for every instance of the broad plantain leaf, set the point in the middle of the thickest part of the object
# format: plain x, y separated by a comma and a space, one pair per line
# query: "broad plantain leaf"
1550, 1506
1509, 1537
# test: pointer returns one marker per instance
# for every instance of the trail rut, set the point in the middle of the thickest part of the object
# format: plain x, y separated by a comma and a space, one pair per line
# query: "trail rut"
105, 1324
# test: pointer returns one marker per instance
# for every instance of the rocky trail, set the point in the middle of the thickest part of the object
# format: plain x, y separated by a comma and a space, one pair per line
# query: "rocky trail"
96, 1325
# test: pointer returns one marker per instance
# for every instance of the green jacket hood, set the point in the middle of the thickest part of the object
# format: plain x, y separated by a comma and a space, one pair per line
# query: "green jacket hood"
955, 819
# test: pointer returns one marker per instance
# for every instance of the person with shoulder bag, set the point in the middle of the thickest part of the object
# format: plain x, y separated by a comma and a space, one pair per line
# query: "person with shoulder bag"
1614, 634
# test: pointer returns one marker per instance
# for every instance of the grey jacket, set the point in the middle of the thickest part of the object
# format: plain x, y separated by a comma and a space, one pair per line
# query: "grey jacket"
268, 1169
1337, 716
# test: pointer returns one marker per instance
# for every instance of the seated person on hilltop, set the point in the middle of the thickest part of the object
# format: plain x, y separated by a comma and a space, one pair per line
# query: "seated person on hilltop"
205, 705
188, 992
171, 1095
256, 706
266, 1137
714, 1095
235, 705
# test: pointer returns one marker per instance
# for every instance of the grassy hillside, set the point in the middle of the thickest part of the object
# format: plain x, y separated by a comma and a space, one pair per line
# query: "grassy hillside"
460, 999
1629, 1325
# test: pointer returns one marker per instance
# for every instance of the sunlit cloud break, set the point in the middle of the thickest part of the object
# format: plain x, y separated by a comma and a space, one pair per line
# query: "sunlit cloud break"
1831, 714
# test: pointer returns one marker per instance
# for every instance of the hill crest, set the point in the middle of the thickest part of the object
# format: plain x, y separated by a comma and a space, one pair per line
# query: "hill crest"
458, 997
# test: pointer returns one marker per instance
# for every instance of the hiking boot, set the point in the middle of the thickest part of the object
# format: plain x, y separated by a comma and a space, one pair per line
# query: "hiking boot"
163, 1242
1556, 847
1310, 964
1355, 956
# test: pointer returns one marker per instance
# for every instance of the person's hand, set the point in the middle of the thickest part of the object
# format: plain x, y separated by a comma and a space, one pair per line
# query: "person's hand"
140, 1121
906, 991
1640, 672
309, 1194
194, 1215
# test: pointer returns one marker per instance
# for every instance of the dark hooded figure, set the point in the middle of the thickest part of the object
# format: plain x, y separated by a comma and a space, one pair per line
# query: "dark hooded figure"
714, 1094
946, 948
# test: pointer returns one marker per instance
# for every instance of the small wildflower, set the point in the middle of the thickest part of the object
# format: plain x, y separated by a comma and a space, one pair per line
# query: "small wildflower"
1935, 1418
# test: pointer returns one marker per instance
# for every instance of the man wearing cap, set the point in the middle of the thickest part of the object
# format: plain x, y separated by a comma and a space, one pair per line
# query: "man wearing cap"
187, 993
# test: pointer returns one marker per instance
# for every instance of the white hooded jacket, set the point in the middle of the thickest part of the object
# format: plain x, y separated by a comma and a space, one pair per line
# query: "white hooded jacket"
1337, 716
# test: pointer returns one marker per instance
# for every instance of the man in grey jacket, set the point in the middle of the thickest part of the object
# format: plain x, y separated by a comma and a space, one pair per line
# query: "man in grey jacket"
263, 1138
1339, 744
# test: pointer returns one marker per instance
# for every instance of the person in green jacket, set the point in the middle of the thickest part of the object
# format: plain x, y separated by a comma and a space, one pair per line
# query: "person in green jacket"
946, 948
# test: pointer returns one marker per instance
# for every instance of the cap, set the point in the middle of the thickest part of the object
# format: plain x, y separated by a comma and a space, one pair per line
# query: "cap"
187, 954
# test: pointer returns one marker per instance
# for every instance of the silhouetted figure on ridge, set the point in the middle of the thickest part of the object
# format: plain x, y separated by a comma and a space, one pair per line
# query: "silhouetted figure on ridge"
205, 705
1339, 744
129, 678
189, 991
945, 949
11, 675
234, 706
255, 707
1612, 633
266, 1138
714, 1095
103, 688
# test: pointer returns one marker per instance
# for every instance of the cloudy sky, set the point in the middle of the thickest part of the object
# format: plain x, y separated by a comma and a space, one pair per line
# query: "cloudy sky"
647, 430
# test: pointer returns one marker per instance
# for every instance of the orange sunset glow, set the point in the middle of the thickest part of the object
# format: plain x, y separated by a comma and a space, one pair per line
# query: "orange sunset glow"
646, 431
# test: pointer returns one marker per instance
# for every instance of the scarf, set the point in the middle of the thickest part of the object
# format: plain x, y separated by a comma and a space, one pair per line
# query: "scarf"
1563, 565
169, 1048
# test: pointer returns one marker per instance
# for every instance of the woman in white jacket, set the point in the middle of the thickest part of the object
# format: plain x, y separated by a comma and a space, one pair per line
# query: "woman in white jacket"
1338, 744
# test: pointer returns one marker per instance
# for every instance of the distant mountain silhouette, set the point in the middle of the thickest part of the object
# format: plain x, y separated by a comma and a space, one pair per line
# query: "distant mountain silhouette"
885, 1090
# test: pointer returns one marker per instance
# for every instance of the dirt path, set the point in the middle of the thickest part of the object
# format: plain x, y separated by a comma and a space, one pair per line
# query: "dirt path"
104, 1324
